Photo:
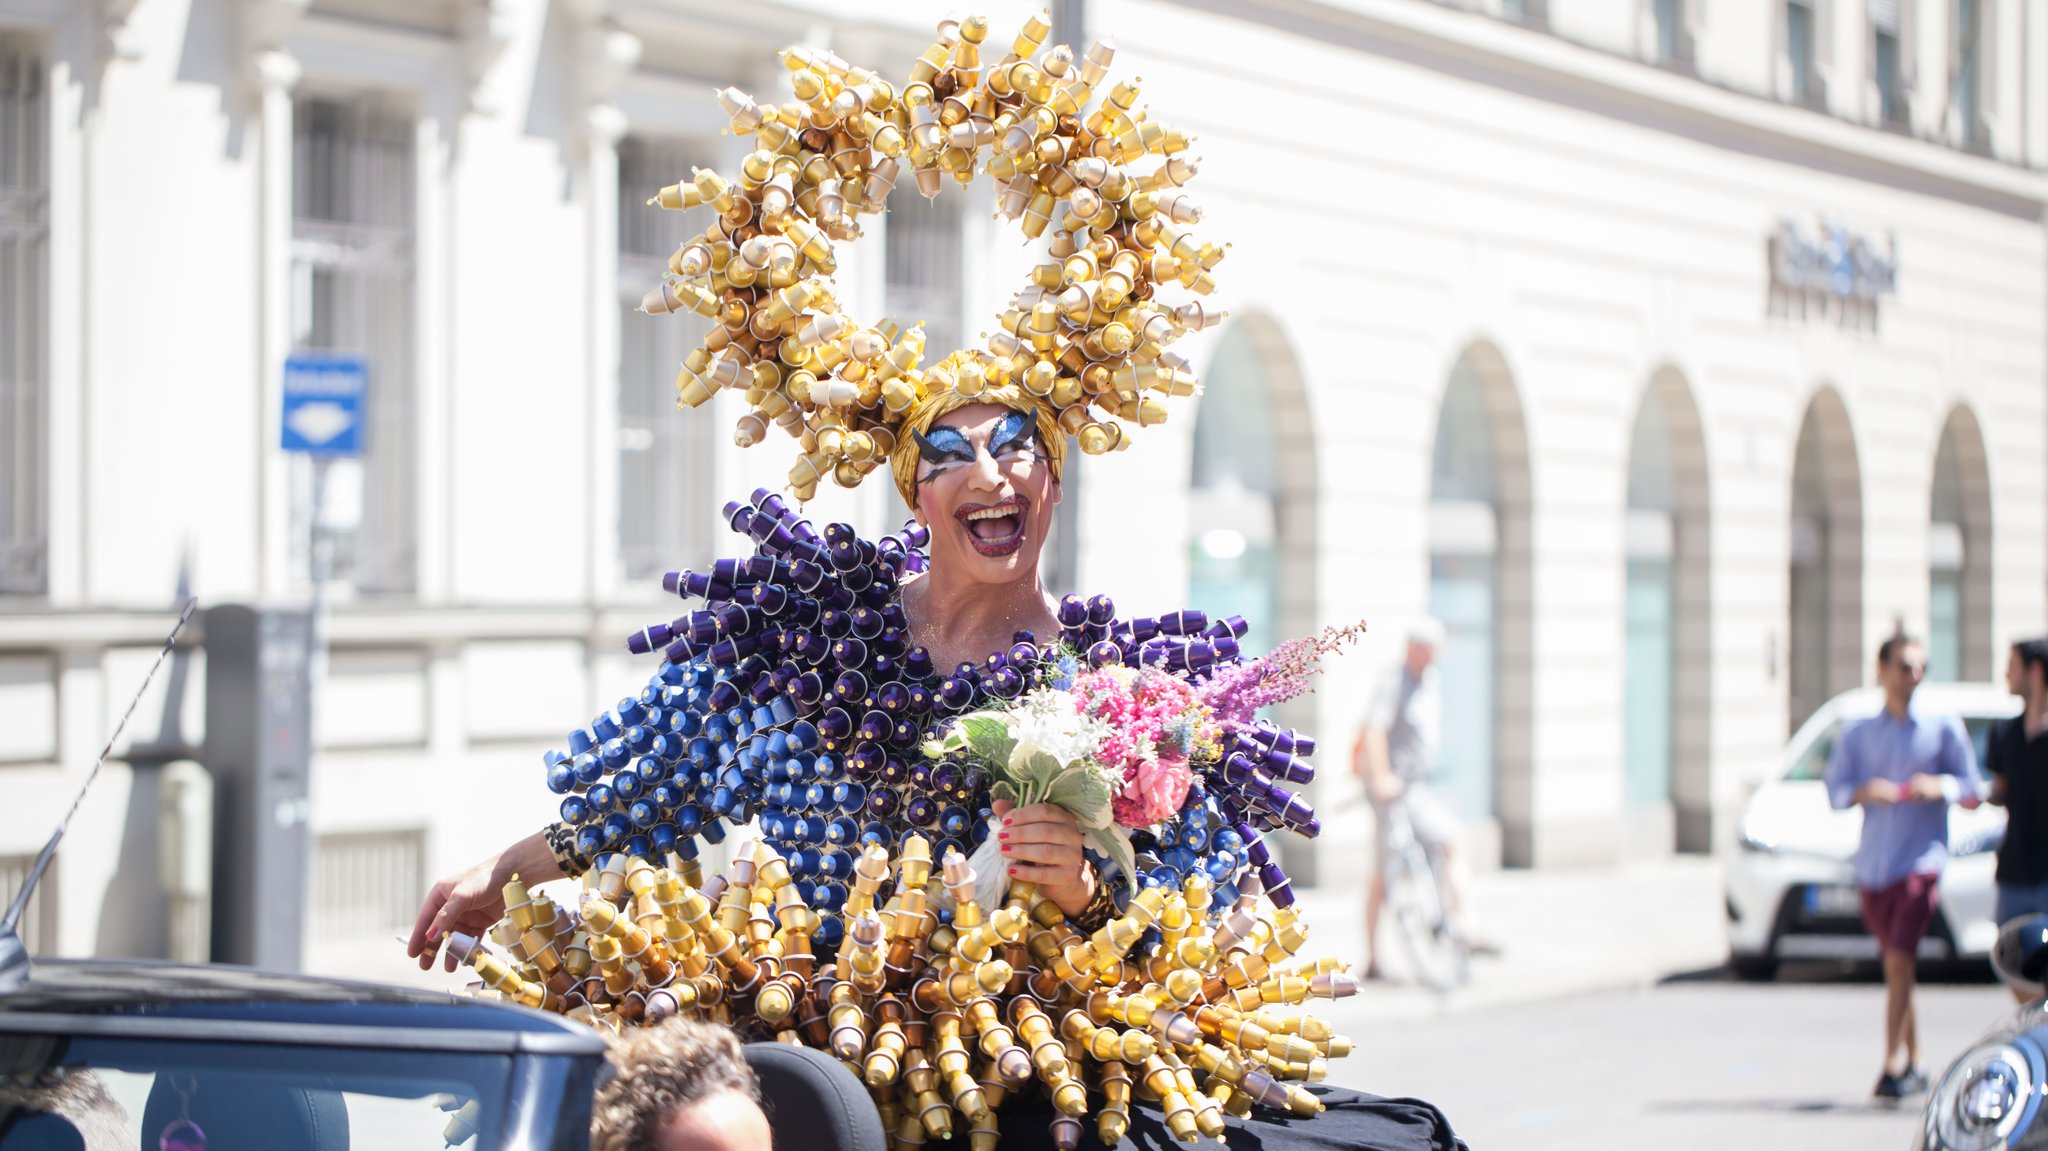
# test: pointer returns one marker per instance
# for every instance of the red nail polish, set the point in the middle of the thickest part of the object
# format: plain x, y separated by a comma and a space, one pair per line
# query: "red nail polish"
1013, 871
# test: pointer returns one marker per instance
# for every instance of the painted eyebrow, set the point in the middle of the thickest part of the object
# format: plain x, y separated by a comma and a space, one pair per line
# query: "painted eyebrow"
944, 445
1010, 429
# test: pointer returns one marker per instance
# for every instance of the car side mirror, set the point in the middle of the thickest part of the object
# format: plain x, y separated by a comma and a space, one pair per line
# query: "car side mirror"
2021, 955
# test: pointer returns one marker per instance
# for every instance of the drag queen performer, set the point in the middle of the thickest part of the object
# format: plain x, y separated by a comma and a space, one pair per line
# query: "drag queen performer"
1012, 851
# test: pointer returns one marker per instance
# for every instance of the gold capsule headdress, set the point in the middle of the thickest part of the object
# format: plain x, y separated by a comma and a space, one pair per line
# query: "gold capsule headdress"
1083, 346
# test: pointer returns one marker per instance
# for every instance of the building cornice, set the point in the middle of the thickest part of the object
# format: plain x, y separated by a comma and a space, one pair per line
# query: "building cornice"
1543, 66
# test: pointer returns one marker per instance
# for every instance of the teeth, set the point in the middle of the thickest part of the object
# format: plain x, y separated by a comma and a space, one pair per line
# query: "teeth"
991, 513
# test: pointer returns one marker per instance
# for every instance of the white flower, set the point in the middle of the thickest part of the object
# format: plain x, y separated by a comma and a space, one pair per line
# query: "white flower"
1047, 722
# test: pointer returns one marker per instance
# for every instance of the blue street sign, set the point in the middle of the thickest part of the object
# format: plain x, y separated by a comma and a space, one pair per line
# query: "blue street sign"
325, 404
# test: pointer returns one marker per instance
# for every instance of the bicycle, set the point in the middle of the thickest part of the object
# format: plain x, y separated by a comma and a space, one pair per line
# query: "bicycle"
1417, 896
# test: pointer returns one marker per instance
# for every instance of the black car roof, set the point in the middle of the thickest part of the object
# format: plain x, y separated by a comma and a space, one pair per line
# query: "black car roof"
142, 999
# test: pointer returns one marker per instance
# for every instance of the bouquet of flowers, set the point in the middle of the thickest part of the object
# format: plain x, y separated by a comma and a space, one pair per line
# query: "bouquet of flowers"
1120, 747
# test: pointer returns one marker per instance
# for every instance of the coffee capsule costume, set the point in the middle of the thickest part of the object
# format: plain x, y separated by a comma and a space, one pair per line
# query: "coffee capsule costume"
791, 696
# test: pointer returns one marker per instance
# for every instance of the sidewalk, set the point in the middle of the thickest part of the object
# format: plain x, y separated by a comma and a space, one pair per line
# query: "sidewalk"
1562, 933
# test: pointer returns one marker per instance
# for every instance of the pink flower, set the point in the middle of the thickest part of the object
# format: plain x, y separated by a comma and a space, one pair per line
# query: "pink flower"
1154, 791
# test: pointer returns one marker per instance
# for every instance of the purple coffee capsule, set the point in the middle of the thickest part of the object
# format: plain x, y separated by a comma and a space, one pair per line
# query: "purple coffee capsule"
1101, 610
835, 725
1023, 653
875, 726
1073, 612
917, 663
850, 652
648, 638
1144, 629
1105, 653
850, 687
955, 693
1187, 621
1279, 888
866, 622
866, 759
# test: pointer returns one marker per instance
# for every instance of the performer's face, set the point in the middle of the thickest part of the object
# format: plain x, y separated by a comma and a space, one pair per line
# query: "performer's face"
986, 492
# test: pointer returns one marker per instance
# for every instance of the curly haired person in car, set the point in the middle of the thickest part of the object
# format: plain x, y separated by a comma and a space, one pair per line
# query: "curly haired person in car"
1903, 766
681, 1085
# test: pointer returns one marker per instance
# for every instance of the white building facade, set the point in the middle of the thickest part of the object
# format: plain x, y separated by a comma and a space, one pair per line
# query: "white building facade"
1672, 352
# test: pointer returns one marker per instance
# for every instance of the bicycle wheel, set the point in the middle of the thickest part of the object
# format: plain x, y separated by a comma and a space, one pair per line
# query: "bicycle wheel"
1427, 938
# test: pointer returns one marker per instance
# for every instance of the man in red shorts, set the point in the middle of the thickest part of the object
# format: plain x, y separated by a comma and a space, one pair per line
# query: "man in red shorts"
1903, 766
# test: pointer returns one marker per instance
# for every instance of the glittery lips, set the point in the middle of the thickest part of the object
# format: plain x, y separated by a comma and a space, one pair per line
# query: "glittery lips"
994, 541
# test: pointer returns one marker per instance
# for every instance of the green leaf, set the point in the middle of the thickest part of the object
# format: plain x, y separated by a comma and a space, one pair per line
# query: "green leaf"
988, 736
1082, 792
1115, 842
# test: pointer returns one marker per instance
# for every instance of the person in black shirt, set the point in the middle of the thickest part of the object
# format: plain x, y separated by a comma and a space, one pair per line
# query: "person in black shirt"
2017, 760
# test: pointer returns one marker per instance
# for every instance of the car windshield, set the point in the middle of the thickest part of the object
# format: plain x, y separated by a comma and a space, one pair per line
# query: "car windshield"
122, 1093
1813, 762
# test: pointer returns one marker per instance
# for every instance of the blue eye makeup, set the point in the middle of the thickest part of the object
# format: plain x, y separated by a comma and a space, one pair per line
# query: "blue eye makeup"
1014, 429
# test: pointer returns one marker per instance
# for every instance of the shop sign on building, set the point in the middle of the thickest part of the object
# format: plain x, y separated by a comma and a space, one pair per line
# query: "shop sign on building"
1829, 269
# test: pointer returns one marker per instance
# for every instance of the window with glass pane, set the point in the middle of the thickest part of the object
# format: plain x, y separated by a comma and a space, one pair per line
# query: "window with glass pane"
1885, 61
665, 457
1799, 39
24, 279
352, 276
1672, 46
1969, 67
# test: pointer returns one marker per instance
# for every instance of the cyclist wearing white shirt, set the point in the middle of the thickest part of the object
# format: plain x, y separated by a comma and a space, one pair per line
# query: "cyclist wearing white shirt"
1396, 752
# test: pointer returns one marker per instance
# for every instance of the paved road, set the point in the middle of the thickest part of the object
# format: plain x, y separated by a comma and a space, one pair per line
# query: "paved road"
1701, 1063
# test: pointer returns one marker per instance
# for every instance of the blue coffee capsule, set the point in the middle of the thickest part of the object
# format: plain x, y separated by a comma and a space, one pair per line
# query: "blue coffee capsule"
580, 741
817, 795
614, 754
713, 830
848, 796
627, 786
955, 823
663, 837
637, 846
644, 814
589, 840
842, 831
774, 825
829, 769
600, 799
574, 809
828, 936
629, 712
617, 826
604, 728
650, 770
561, 777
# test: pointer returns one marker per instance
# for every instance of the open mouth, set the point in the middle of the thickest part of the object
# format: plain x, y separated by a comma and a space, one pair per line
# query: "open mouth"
995, 529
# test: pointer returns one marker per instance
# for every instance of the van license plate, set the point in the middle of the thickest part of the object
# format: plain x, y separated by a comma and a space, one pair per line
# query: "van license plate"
1833, 901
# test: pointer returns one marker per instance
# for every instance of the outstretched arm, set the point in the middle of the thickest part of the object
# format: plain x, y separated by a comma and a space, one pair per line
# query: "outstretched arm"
472, 899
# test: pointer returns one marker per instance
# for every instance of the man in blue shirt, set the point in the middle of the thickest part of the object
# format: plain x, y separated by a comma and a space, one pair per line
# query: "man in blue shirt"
1904, 767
